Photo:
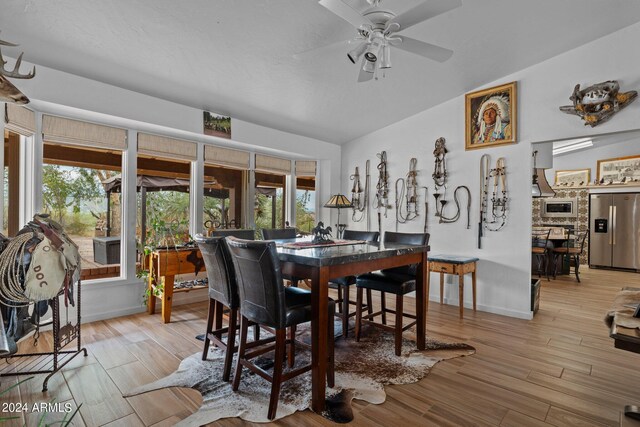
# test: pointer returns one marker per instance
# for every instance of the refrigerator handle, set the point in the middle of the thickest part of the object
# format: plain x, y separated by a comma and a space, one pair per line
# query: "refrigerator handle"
613, 234
611, 222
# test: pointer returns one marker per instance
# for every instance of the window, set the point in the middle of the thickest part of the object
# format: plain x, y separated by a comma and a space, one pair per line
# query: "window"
305, 195
79, 193
305, 203
11, 177
163, 201
224, 193
270, 201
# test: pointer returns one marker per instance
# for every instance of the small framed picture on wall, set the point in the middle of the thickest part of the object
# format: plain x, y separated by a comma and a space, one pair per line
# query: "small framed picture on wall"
573, 178
491, 117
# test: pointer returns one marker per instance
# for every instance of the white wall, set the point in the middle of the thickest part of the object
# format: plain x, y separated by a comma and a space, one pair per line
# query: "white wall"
504, 269
55, 92
604, 147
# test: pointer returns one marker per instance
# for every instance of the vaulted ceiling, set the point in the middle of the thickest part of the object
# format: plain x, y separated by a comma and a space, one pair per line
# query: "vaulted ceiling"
247, 58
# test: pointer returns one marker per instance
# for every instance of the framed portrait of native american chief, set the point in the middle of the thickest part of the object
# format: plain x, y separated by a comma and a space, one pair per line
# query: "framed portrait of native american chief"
491, 117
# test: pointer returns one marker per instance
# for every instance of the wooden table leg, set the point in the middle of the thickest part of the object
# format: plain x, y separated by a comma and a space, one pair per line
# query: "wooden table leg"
428, 291
319, 338
167, 298
151, 302
461, 298
421, 300
473, 285
441, 287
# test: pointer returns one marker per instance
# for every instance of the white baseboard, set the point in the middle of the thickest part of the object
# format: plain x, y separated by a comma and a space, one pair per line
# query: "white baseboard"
527, 315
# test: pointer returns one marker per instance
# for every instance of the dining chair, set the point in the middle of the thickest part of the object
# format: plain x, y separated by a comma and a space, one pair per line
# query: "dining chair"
278, 233
247, 234
343, 284
540, 249
398, 281
265, 300
573, 248
223, 292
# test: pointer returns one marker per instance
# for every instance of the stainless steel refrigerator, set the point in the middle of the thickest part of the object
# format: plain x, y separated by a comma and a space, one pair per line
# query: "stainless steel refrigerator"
614, 230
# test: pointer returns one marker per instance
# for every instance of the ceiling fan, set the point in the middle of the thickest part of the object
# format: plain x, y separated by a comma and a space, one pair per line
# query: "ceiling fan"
377, 31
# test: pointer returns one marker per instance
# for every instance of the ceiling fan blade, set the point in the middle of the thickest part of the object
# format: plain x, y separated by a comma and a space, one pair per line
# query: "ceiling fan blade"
347, 13
364, 76
422, 12
427, 50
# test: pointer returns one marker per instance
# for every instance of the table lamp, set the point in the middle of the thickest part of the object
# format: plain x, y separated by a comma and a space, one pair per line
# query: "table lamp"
339, 201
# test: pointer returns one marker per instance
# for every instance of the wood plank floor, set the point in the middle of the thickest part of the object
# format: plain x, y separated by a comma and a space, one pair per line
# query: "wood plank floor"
559, 369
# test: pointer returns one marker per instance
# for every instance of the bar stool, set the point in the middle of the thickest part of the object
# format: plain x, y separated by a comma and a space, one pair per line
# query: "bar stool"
398, 281
223, 292
540, 250
264, 300
572, 248
343, 284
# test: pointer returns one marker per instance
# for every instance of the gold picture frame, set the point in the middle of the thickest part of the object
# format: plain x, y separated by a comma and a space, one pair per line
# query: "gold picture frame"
572, 177
503, 101
619, 168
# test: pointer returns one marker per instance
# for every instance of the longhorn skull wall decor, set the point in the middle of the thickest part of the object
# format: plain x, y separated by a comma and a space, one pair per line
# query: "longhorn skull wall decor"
8, 92
598, 103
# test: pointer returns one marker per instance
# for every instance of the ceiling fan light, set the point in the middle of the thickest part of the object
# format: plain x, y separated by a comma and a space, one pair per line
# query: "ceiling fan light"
372, 51
369, 67
385, 57
355, 54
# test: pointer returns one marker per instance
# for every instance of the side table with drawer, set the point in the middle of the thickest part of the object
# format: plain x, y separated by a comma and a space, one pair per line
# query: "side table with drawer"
458, 265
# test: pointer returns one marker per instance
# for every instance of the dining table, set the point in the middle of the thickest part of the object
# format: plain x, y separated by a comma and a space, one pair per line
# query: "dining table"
320, 264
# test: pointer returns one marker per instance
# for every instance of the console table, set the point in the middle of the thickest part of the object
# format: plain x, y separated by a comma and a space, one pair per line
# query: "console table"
166, 264
458, 265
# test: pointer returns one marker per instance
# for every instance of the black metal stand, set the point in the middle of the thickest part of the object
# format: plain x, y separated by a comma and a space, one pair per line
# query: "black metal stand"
52, 361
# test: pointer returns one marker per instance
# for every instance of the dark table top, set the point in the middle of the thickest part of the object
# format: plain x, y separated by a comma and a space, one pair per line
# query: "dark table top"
336, 255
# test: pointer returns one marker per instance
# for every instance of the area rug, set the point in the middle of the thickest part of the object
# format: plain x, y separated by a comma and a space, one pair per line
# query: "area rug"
362, 370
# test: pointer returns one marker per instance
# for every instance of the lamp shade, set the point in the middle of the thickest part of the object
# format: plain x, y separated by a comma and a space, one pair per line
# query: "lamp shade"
540, 187
338, 201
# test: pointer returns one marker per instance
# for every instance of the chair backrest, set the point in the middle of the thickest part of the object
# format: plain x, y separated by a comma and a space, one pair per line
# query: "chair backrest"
414, 239
259, 280
540, 237
367, 236
220, 270
278, 233
582, 237
247, 234
575, 239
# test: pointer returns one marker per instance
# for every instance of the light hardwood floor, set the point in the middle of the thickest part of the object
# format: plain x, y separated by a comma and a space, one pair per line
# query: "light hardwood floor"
559, 369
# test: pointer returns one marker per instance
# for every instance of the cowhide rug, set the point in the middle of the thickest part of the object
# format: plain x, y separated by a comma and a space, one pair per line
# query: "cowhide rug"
362, 370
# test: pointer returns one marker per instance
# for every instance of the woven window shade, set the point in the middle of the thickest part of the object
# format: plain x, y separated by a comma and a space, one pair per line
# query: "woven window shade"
272, 164
161, 146
67, 131
226, 157
305, 168
19, 119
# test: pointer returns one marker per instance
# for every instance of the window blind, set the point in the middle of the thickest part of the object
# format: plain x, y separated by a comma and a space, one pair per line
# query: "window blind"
226, 157
67, 131
273, 164
162, 146
306, 168
19, 119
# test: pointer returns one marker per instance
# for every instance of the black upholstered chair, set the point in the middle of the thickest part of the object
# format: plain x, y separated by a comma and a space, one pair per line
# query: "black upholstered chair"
343, 284
247, 234
278, 233
265, 300
223, 292
572, 248
398, 281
